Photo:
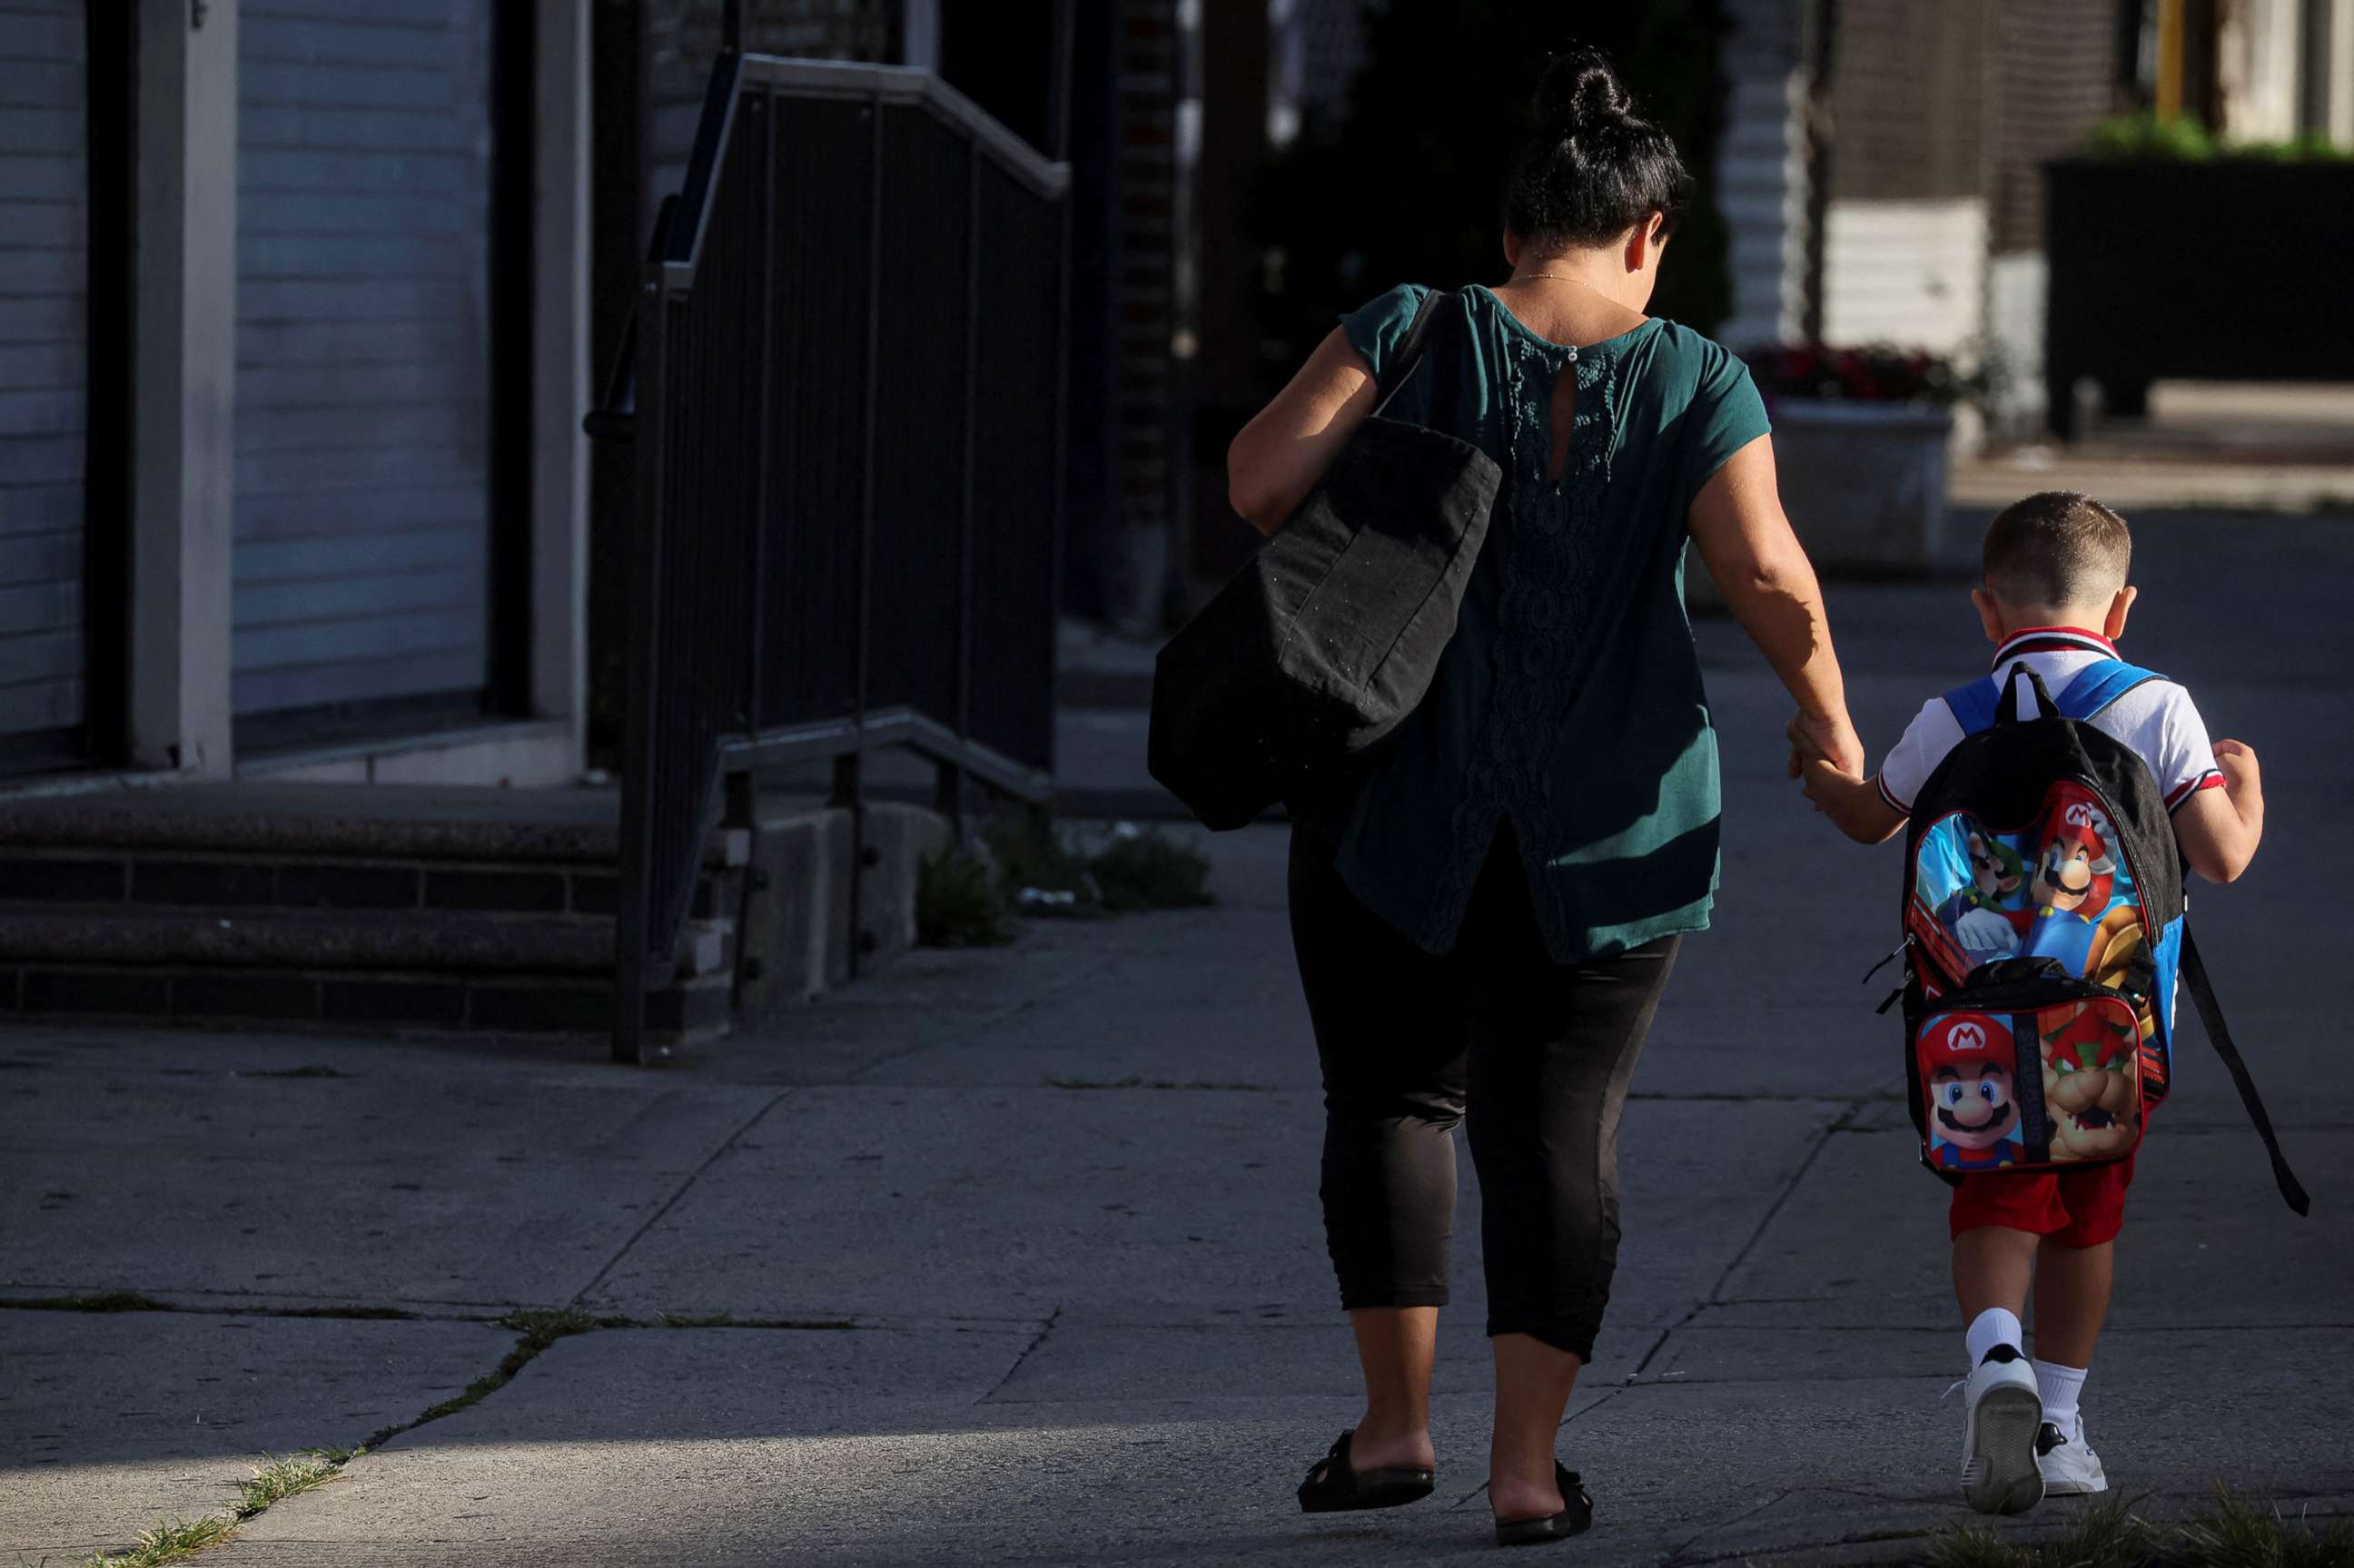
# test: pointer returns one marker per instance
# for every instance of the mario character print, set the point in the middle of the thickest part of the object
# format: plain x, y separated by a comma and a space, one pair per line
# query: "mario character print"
1988, 914
1968, 1062
2083, 899
2092, 1089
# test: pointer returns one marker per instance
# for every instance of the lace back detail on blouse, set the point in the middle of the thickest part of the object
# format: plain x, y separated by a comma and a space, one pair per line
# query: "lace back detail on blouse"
1546, 528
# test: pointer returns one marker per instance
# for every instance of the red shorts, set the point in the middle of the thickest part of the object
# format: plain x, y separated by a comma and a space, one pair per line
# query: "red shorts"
2074, 1208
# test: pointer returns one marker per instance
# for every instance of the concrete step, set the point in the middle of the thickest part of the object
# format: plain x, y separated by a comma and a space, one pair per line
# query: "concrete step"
352, 821
385, 822
436, 940
402, 1001
165, 877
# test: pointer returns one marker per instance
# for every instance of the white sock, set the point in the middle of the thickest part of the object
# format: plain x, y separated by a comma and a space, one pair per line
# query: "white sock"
1995, 1325
2060, 1387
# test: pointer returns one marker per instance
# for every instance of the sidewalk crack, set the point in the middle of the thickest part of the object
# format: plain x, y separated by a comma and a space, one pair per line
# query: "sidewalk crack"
672, 1201
1822, 1140
1027, 1351
1744, 1517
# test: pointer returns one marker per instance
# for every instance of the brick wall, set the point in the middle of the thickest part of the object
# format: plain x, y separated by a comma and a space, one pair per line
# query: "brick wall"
1908, 100
2055, 74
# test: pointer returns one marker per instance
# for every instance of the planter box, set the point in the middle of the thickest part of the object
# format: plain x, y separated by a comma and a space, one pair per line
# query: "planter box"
1864, 484
2231, 269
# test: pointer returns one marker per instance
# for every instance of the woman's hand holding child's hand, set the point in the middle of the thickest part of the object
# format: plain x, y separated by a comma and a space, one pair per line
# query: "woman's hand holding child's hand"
1827, 758
1830, 740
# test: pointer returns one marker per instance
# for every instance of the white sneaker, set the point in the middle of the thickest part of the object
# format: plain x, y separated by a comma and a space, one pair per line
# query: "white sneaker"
2070, 1469
1998, 1467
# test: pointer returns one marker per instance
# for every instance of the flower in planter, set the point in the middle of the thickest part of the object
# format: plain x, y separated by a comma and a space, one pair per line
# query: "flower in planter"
1871, 372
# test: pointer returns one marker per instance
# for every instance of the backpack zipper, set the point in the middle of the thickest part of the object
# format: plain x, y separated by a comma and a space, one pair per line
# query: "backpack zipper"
1893, 954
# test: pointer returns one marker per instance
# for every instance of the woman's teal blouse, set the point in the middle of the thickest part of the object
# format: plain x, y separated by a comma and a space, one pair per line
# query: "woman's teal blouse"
1569, 704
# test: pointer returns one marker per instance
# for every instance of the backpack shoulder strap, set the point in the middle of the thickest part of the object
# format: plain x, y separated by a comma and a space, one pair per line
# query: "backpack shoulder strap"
2218, 1034
2098, 685
1973, 703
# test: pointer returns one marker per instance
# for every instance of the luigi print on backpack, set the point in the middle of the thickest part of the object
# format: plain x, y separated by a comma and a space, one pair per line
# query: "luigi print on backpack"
2058, 891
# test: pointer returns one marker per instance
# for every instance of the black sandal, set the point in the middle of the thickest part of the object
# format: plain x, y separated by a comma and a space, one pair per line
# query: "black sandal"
1575, 1517
1334, 1486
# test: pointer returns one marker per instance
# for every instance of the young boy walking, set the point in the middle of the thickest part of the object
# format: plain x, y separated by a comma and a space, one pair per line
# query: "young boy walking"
2054, 598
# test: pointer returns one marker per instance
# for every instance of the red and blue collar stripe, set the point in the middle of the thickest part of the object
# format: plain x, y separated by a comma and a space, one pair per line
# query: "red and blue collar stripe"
2054, 639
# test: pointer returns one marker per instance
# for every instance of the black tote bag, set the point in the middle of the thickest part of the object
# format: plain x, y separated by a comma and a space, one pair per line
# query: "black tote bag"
1326, 641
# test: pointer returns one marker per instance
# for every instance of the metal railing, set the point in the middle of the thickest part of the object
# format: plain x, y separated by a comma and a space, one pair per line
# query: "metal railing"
847, 407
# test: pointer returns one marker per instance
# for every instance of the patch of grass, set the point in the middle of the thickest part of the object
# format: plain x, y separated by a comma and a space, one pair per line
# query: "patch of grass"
1975, 1546
1150, 870
2105, 1535
308, 1070
2232, 1532
2229, 1532
729, 1321
104, 1301
278, 1477
542, 1327
372, 1314
957, 904
539, 1328
168, 1542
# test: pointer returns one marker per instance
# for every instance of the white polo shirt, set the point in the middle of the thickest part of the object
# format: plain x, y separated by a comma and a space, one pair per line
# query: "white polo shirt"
2156, 719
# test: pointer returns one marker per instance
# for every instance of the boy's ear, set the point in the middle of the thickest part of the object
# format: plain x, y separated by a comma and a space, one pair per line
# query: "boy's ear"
2113, 627
1990, 614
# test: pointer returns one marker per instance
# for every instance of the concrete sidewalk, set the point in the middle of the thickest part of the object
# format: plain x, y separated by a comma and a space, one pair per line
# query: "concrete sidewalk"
1013, 1255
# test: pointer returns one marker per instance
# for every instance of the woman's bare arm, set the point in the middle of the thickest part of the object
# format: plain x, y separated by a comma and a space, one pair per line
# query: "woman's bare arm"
1285, 450
1737, 523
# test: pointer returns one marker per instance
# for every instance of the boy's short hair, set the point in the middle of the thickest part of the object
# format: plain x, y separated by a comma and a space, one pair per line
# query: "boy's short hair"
2056, 547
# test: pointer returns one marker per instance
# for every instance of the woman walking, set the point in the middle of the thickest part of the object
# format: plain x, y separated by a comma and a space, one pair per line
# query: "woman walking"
1486, 916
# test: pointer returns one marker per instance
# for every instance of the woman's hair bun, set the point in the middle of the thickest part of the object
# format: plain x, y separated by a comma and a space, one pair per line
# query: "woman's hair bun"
1580, 88
1594, 168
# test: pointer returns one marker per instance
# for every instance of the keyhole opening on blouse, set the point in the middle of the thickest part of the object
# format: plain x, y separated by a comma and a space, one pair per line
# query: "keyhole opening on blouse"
1564, 420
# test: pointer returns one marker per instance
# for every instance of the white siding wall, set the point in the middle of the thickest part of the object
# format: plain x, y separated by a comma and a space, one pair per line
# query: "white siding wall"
1762, 174
44, 214
1909, 273
2016, 285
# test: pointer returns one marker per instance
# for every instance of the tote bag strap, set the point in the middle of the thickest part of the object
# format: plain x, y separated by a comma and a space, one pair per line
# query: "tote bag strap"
1412, 351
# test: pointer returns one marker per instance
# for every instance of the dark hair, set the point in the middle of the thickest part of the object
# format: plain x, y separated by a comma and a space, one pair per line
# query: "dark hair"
2056, 548
1594, 168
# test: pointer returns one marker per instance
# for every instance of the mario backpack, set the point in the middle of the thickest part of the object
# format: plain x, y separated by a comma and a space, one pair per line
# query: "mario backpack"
2044, 935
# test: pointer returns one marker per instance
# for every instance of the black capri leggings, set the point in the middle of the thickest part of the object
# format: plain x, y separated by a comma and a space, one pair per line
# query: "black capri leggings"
1539, 1052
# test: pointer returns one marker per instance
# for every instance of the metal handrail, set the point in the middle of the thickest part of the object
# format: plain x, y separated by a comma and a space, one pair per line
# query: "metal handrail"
743, 652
